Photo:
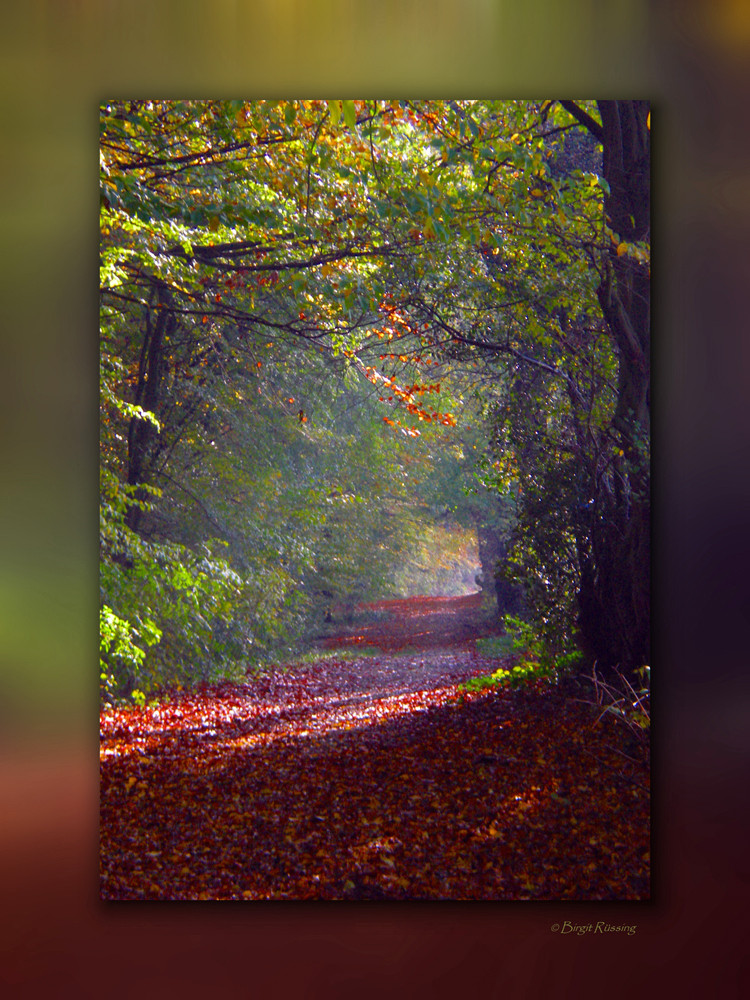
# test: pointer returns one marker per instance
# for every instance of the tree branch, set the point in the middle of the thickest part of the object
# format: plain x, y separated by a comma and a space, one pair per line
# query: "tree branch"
585, 119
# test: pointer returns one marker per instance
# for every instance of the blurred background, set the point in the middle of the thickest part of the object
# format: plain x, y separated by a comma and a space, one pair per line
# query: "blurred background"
58, 59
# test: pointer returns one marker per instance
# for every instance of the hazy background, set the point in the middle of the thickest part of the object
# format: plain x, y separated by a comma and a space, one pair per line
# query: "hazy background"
58, 59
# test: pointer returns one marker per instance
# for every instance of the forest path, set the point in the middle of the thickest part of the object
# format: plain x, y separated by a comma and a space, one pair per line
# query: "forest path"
426, 649
419, 623
372, 778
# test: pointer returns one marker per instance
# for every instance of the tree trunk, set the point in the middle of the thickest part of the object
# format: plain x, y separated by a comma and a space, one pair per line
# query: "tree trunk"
493, 554
142, 435
615, 587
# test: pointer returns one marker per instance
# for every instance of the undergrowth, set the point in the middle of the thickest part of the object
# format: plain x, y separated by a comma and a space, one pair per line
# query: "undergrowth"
527, 655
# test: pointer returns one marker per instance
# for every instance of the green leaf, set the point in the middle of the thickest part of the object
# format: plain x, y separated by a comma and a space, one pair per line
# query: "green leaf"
350, 113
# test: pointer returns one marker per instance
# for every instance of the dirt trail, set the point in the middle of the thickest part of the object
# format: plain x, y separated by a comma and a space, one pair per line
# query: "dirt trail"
373, 777
418, 623
427, 647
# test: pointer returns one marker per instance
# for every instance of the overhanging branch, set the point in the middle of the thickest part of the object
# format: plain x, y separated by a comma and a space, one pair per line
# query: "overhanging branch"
585, 119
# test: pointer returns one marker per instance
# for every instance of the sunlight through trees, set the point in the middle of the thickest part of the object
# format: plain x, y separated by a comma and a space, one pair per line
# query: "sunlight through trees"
347, 346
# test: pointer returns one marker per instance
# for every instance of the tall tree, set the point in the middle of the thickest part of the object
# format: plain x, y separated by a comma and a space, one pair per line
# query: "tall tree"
279, 279
544, 274
615, 583
241, 269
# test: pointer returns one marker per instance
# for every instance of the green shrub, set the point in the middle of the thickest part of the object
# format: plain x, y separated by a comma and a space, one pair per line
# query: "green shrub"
512, 677
535, 660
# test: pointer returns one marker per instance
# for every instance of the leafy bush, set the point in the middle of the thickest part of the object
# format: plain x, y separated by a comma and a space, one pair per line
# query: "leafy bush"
567, 663
535, 661
513, 677
171, 615
119, 651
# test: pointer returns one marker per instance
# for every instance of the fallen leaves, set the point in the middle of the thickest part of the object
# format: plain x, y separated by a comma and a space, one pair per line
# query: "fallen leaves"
371, 779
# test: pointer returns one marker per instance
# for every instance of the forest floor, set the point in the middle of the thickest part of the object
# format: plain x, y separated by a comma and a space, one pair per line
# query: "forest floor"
375, 777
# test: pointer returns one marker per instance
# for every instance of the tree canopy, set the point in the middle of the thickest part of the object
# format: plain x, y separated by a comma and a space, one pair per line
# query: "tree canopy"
337, 338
